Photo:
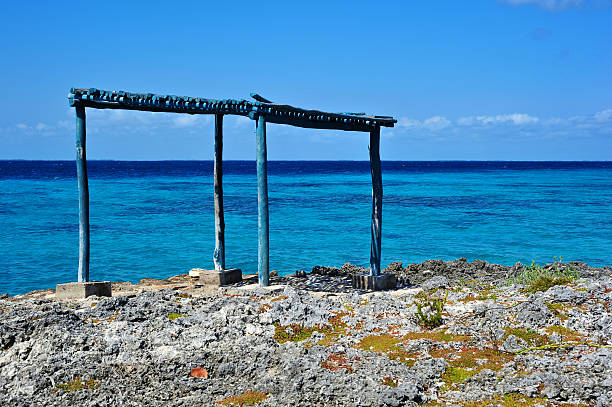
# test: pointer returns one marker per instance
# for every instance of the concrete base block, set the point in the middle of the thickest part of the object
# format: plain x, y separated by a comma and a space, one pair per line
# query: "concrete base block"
219, 277
83, 290
369, 282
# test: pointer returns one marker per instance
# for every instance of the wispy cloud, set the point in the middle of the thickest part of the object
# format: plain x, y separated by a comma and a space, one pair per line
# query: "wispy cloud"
552, 5
518, 124
604, 116
514, 118
433, 123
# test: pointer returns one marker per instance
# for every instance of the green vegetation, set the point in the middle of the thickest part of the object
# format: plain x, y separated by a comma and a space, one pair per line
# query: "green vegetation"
559, 310
79, 384
388, 345
297, 333
468, 361
533, 338
431, 318
292, 333
517, 400
389, 381
543, 283
537, 278
249, 398
437, 336
175, 315
566, 333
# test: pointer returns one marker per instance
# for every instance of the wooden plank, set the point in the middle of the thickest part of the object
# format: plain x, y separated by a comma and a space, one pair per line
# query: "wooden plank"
263, 252
219, 254
285, 114
311, 124
377, 194
81, 164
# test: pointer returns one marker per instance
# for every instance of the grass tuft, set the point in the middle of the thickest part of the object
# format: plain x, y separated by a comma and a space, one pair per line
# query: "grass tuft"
175, 315
249, 398
388, 345
79, 384
533, 338
537, 278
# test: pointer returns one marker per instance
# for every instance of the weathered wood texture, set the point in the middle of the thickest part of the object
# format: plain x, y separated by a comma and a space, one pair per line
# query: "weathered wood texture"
273, 112
263, 266
377, 194
219, 254
81, 164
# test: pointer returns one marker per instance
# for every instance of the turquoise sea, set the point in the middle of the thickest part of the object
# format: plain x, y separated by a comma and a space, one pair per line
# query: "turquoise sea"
155, 219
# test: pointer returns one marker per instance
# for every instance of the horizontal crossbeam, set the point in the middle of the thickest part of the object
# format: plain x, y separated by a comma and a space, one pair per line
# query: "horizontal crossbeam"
274, 113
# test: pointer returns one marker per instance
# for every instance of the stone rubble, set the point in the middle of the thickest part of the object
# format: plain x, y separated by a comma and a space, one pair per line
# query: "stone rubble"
313, 341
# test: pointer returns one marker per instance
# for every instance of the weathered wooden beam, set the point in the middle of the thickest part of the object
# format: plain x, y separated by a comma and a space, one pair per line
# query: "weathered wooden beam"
81, 164
313, 124
219, 254
377, 194
274, 112
263, 252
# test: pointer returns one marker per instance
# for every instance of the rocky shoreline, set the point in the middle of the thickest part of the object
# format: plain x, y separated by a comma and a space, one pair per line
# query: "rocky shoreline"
453, 334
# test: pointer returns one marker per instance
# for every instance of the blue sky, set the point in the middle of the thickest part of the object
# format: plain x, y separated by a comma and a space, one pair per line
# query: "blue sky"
477, 80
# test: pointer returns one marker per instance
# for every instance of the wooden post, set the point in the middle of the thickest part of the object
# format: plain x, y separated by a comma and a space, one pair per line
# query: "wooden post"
219, 255
377, 193
81, 163
263, 269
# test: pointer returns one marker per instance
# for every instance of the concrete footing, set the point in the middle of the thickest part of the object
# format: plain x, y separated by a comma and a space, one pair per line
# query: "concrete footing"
218, 277
86, 289
370, 282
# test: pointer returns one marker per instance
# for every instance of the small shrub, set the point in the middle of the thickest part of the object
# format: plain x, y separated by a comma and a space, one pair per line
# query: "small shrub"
429, 312
543, 283
531, 274
175, 315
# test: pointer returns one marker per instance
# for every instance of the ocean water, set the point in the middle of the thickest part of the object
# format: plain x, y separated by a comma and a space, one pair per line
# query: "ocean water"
155, 219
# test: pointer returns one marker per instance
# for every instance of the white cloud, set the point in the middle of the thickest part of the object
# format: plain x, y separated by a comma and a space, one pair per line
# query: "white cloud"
406, 122
185, 120
22, 126
552, 5
514, 118
433, 123
436, 123
604, 115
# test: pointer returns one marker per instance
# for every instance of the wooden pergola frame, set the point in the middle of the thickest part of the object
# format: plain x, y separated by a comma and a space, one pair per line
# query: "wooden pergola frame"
260, 110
